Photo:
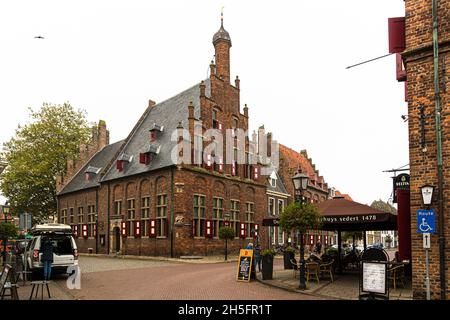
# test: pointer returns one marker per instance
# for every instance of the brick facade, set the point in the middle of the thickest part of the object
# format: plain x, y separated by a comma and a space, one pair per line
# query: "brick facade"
418, 59
122, 201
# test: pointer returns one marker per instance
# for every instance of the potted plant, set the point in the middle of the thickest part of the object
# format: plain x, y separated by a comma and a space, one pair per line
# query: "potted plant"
288, 254
267, 263
226, 233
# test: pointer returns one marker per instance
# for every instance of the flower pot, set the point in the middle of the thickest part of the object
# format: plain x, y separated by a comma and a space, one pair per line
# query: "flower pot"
287, 256
267, 267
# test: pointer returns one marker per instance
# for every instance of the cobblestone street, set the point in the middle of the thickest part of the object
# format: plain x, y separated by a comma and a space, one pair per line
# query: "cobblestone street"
115, 278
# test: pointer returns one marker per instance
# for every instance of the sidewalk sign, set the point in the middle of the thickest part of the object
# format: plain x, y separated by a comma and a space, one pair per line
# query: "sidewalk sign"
245, 265
373, 280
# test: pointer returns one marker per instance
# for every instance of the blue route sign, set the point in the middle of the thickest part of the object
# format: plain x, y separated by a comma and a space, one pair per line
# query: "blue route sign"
426, 221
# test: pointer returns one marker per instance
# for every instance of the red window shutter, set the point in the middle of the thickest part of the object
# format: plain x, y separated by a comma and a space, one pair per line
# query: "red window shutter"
396, 28
147, 159
242, 231
400, 68
76, 230
84, 230
326, 239
255, 173
256, 227
209, 228
124, 229
137, 229
233, 169
311, 239
319, 238
142, 158
220, 165
95, 230
152, 228
208, 163
119, 165
153, 135
193, 228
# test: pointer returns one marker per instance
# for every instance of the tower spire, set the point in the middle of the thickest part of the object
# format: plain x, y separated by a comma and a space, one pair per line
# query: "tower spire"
221, 17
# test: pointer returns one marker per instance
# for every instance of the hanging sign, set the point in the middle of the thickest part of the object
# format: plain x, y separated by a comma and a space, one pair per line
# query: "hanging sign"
245, 265
400, 182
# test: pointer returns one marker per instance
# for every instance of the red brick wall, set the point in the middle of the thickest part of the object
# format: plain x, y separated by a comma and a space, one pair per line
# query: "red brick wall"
418, 58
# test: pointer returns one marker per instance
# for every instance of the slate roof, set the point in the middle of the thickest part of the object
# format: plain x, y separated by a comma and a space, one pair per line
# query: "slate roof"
168, 114
99, 160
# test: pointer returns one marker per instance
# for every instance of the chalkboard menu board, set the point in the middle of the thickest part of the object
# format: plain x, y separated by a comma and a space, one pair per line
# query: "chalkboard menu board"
244, 265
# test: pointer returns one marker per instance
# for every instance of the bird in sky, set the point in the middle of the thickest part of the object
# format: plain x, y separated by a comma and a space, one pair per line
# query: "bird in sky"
39, 37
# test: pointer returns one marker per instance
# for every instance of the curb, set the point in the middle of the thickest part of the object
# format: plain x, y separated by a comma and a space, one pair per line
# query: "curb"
290, 289
177, 260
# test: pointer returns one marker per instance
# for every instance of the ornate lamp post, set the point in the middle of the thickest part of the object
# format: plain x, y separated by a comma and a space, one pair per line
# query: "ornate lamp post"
5, 215
300, 181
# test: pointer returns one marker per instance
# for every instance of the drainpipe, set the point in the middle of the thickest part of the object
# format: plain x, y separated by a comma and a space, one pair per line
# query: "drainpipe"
108, 222
171, 210
96, 221
439, 149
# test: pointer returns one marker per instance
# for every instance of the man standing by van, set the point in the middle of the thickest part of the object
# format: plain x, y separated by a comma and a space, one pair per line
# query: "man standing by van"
47, 258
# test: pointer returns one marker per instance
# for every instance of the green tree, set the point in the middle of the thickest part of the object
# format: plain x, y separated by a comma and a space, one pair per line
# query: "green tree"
37, 154
383, 206
226, 233
301, 217
7, 230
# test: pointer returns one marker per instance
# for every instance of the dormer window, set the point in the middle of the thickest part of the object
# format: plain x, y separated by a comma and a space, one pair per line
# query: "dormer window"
154, 131
90, 172
124, 158
147, 156
273, 179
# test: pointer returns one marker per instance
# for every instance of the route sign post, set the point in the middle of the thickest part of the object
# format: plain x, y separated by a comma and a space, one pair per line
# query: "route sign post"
426, 221
426, 246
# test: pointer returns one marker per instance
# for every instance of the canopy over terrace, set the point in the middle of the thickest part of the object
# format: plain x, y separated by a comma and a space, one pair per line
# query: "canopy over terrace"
344, 215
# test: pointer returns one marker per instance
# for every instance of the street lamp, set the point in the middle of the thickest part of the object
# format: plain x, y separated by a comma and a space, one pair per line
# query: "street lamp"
5, 215
227, 224
300, 181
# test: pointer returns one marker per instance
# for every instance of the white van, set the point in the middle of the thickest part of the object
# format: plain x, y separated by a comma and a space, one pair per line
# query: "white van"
65, 251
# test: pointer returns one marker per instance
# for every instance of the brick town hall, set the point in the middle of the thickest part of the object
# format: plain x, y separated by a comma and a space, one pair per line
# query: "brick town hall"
130, 197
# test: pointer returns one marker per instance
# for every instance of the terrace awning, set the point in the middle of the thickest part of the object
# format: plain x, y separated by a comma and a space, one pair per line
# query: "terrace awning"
344, 215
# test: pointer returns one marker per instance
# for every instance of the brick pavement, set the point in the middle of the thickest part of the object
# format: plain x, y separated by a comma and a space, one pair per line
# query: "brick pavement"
168, 280
344, 287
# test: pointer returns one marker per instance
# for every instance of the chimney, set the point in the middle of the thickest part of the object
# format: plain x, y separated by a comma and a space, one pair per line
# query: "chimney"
202, 89
237, 82
269, 144
103, 135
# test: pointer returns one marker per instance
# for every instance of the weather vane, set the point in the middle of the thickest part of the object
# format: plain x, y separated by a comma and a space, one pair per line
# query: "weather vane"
221, 15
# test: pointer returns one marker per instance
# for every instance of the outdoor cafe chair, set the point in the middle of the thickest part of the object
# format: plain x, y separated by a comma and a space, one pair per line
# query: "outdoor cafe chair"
397, 274
295, 267
327, 268
312, 270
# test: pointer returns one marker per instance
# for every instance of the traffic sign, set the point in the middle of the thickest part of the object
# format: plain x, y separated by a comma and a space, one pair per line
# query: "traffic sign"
426, 221
426, 240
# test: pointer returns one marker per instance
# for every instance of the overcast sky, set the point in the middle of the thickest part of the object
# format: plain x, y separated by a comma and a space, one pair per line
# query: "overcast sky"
110, 57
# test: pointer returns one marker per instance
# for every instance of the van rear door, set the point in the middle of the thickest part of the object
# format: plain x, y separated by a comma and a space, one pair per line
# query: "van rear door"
62, 250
